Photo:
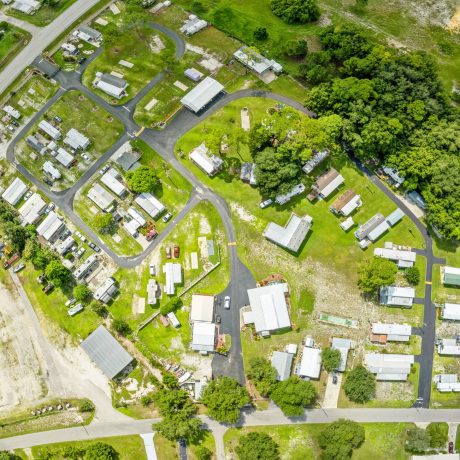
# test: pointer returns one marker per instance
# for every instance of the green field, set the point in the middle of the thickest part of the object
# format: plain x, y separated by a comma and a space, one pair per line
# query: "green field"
133, 46
81, 113
128, 448
300, 442
46, 14
11, 42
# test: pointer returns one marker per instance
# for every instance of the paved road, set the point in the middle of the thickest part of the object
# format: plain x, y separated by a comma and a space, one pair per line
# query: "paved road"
42, 37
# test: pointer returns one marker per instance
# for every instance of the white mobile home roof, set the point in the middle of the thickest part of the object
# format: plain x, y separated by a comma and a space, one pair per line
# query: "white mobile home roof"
173, 272
292, 235
152, 288
378, 231
135, 214
150, 204
343, 345
31, 209
83, 269
310, 366
202, 308
205, 160
12, 112
282, 362
269, 308
49, 129
389, 366
391, 329
106, 290
451, 275
395, 295
296, 190
354, 203
451, 311
65, 245
76, 139
50, 226
15, 191
447, 383
202, 94
100, 196
109, 179
395, 254
326, 191
395, 217
132, 227
64, 157
204, 336
51, 170
449, 347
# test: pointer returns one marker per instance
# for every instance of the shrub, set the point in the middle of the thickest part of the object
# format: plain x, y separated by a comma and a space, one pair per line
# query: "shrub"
340, 438
260, 33
360, 385
86, 406
412, 275
331, 359
121, 327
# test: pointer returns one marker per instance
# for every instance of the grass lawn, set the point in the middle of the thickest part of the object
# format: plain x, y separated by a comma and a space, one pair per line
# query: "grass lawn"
11, 42
128, 447
442, 293
206, 441
32, 95
444, 365
44, 15
300, 442
81, 113
52, 306
132, 46
165, 449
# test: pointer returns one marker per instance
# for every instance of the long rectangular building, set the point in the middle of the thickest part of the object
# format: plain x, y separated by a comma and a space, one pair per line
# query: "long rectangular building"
51, 226
15, 191
49, 129
402, 258
203, 93
100, 196
397, 296
110, 180
451, 311
391, 332
150, 204
32, 209
389, 367
85, 268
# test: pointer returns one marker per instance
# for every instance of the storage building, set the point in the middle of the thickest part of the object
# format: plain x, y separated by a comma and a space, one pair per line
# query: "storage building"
202, 308
99, 195
50, 130
150, 204
15, 191
203, 93
205, 160
397, 296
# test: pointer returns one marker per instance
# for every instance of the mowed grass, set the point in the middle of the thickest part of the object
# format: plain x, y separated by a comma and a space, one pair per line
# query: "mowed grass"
133, 46
167, 450
32, 95
11, 42
79, 112
127, 447
300, 442
46, 14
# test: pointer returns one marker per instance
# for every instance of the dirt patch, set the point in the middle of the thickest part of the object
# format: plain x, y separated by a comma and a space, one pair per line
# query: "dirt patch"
205, 227
454, 23
242, 213
394, 391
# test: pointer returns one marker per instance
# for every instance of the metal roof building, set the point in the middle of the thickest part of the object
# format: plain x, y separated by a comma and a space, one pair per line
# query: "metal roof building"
202, 94
255, 61
150, 204
450, 275
203, 336
247, 173
173, 272
378, 231
269, 310
328, 183
395, 217
445, 383
392, 332
111, 85
64, 157
292, 235
343, 345
49, 129
100, 196
12, 112
127, 160
205, 160
50, 227
202, 308
35, 144
449, 347
389, 367
50, 169
76, 139
136, 215
193, 25
397, 296
105, 351
310, 365
367, 227
296, 190
87, 33
346, 203
282, 362
110, 180
14, 192
106, 291
63, 246
314, 161
31, 210
451, 311
402, 258
85, 268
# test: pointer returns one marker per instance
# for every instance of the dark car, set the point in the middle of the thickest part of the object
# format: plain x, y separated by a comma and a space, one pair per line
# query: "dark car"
97, 248
15, 123
47, 181
91, 245
334, 379
451, 447
57, 119
82, 60
48, 288
176, 251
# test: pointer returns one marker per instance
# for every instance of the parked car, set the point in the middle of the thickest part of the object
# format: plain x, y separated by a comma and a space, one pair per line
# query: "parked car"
166, 217
91, 245
266, 203
15, 123
152, 270
334, 379
70, 302
18, 268
151, 235
451, 447
82, 60
52, 206
28, 195
227, 302
97, 248
48, 288
11, 128
168, 252
218, 319
48, 181
176, 251
85, 156
58, 119
80, 252
11, 260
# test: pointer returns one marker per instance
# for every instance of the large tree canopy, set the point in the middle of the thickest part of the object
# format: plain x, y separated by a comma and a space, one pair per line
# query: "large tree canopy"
376, 272
340, 438
293, 395
257, 446
360, 385
143, 179
296, 11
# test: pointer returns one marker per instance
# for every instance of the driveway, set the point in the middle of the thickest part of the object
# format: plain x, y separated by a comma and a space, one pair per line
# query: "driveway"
331, 397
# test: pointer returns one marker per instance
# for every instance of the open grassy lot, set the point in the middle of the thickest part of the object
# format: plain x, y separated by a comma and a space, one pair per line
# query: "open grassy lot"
81, 113
46, 14
300, 442
128, 447
135, 46
11, 41
165, 449
32, 95
173, 192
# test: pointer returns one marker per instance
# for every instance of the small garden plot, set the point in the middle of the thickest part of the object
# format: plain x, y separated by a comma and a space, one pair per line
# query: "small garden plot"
137, 46
12, 39
32, 95
78, 112
203, 222
45, 15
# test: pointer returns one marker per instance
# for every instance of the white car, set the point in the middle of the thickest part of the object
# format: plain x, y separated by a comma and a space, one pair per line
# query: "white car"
152, 270
227, 302
80, 252
27, 195
266, 203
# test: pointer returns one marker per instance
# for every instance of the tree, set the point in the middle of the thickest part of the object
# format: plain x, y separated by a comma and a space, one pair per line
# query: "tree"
100, 451
296, 11
104, 223
173, 305
224, 398
203, 453
340, 438
121, 327
82, 293
143, 179
418, 440
16, 235
293, 395
5, 455
361, 3
59, 275
260, 33
86, 406
360, 385
331, 359
262, 374
376, 272
257, 446
179, 426
171, 401
295, 48
439, 434
170, 381
412, 275
99, 308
